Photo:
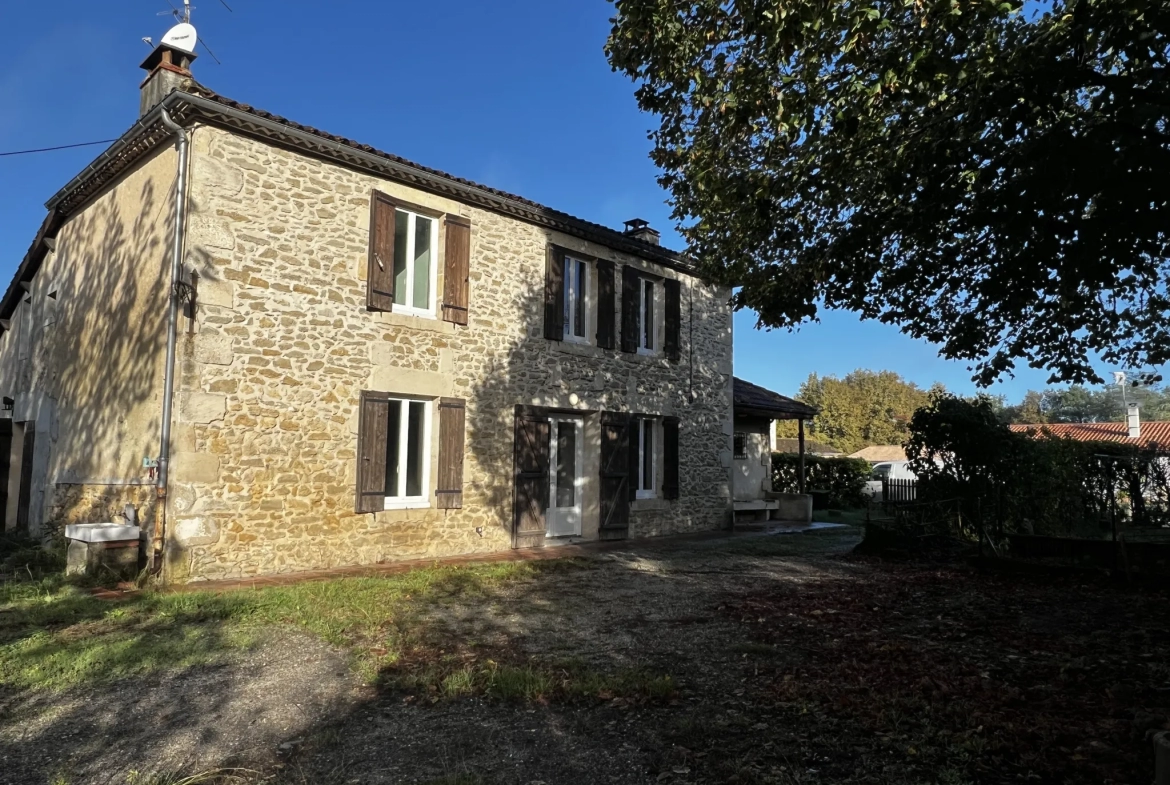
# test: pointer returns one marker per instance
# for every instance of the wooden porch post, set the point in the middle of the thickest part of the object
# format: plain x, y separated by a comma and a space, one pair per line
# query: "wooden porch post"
800, 438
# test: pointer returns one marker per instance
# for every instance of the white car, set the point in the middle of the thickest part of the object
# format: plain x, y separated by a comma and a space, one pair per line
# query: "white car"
893, 470
887, 470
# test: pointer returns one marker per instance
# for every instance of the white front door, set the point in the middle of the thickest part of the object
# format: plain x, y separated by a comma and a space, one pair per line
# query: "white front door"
566, 453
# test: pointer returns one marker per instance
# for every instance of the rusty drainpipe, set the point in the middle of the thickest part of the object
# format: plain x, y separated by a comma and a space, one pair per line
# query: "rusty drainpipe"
164, 449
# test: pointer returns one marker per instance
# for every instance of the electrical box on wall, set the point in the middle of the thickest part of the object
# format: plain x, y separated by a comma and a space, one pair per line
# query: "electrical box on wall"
150, 463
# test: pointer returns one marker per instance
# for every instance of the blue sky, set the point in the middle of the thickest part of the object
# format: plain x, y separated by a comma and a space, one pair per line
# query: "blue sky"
515, 94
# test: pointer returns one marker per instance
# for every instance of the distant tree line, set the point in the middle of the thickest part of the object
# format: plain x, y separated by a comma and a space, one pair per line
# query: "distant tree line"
1081, 404
875, 407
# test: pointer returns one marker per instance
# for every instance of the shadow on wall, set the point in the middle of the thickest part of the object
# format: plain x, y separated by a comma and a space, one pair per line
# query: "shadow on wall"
97, 366
518, 374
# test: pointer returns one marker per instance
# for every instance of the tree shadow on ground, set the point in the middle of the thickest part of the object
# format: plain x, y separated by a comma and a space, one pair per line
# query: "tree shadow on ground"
644, 610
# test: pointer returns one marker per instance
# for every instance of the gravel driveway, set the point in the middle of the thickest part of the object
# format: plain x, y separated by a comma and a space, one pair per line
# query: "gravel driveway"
292, 710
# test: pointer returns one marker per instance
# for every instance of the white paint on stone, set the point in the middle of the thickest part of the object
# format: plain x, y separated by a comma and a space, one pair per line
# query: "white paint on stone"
199, 407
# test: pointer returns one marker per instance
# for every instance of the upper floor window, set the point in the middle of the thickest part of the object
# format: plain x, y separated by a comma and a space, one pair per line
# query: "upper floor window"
416, 244
648, 332
576, 300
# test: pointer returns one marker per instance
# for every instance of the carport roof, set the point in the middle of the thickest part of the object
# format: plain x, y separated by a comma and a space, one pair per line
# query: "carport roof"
752, 400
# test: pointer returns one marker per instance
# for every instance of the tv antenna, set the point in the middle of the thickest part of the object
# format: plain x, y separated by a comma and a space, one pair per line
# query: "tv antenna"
183, 35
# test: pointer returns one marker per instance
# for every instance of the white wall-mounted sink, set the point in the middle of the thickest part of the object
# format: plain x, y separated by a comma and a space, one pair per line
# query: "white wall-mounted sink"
101, 532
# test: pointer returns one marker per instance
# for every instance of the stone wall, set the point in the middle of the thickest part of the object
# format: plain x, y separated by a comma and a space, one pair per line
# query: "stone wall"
264, 466
84, 360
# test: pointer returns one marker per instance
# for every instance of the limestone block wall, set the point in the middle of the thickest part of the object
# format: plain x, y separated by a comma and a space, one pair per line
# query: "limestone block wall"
281, 346
84, 361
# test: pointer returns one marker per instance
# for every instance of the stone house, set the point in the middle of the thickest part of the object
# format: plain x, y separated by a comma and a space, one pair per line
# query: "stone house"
289, 351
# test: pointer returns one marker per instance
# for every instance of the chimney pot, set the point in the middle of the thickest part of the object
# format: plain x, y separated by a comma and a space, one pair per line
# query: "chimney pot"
1133, 422
640, 229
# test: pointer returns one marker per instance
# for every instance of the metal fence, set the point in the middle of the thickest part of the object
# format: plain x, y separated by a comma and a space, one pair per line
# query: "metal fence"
899, 491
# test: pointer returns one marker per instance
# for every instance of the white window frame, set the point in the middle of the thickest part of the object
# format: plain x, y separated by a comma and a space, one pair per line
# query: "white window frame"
573, 285
412, 220
653, 320
424, 500
648, 424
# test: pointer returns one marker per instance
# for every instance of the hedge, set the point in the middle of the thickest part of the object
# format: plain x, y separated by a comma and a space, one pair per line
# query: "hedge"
843, 478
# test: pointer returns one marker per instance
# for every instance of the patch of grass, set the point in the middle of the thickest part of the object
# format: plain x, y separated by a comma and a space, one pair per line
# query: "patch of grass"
54, 635
23, 559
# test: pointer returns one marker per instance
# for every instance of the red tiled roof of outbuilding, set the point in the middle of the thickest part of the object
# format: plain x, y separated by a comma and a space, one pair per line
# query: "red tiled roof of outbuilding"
1152, 433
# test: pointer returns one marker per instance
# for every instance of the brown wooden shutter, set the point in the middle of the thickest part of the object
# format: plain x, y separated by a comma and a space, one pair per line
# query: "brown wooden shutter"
5, 459
27, 455
531, 478
554, 295
452, 419
380, 265
673, 318
670, 485
635, 455
630, 320
456, 268
373, 429
606, 338
616, 487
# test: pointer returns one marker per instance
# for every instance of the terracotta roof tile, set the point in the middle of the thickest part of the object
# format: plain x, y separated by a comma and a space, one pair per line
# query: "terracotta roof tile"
1153, 433
879, 453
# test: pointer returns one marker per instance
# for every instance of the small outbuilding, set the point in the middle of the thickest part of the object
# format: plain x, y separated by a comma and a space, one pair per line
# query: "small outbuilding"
755, 410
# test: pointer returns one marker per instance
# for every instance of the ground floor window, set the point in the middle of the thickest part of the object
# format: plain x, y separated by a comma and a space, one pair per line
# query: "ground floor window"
740, 445
407, 452
646, 432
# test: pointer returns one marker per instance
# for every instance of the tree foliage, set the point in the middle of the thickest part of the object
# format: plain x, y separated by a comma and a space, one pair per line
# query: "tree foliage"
990, 176
1082, 404
863, 408
961, 449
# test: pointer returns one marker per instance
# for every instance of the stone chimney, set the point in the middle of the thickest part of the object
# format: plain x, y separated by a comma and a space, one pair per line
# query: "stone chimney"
168, 68
1133, 422
640, 230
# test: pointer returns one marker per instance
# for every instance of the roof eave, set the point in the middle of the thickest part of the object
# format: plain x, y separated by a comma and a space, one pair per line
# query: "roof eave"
300, 140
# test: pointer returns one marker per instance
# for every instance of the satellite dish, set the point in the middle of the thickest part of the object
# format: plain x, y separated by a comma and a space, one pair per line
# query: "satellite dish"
181, 36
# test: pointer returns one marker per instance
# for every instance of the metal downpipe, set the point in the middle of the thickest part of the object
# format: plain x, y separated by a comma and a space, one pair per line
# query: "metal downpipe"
164, 449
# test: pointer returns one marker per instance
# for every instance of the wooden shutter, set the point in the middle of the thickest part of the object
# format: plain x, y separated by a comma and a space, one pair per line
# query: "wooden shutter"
635, 455
380, 264
673, 318
456, 268
373, 431
5, 463
615, 475
452, 419
554, 295
630, 320
606, 305
670, 485
28, 453
531, 478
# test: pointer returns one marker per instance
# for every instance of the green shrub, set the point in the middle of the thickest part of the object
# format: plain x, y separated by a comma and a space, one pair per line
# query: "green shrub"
1043, 484
843, 478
